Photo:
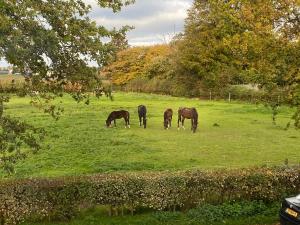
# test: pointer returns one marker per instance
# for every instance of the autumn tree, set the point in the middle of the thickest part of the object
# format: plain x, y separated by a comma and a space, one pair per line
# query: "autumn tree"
231, 42
136, 62
53, 42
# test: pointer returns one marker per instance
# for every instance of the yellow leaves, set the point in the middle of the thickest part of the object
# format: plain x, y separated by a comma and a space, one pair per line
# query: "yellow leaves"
133, 62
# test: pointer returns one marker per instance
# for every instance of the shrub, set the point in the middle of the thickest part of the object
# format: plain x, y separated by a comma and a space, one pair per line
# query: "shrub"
217, 213
62, 198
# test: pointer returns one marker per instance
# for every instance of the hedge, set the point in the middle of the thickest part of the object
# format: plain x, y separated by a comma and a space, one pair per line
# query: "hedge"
62, 198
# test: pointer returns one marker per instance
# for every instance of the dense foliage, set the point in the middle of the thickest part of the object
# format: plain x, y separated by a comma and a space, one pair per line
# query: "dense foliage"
237, 213
245, 42
62, 198
135, 62
52, 43
212, 214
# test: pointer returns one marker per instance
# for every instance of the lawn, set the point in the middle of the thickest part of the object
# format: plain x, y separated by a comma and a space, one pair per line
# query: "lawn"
79, 143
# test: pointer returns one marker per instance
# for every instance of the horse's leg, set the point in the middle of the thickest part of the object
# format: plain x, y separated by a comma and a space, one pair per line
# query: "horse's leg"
179, 120
140, 120
128, 124
125, 119
192, 124
115, 123
145, 122
182, 123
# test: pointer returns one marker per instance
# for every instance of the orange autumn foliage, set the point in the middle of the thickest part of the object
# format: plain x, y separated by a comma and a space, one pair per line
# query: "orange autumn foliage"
133, 62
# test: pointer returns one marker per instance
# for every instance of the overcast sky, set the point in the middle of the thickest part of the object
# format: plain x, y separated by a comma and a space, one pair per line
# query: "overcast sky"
155, 21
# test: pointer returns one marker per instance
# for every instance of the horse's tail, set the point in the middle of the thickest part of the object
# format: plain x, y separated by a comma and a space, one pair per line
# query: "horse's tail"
195, 119
195, 115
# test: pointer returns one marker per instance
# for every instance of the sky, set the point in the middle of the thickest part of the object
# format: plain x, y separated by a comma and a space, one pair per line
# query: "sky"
155, 21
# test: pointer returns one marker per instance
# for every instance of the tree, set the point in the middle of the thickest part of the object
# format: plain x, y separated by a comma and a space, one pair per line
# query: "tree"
135, 62
234, 41
54, 42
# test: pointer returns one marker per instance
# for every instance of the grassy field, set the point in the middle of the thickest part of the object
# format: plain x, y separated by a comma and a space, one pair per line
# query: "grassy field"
79, 143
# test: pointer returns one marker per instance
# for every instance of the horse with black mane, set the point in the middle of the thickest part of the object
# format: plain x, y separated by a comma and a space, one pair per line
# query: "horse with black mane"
188, 113
168, 118
142, 111
118, 115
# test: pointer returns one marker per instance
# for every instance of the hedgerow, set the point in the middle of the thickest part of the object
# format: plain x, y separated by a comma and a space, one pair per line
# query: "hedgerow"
62, 198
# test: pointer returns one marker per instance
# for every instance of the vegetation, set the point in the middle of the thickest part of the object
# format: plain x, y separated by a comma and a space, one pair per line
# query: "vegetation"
230, 135
234, 216
52, 43
63, 198
223, 44
134, 63
245, 41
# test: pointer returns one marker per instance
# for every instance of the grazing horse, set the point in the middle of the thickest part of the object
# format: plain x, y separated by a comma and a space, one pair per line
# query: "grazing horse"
188, 113
142, 115
168, 118
118, 115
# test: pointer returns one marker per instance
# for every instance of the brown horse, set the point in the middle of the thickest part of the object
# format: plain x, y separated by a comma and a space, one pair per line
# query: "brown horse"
118, 115
168, 118
188, 113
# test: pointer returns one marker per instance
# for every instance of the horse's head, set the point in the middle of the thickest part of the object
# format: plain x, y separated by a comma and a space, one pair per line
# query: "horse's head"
108, 123
194, 127
166, 123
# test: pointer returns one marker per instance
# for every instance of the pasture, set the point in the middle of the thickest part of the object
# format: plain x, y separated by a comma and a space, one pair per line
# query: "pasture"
229, 135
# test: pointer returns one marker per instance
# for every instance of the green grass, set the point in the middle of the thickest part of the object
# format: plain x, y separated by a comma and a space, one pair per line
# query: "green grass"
99, 217
80, 144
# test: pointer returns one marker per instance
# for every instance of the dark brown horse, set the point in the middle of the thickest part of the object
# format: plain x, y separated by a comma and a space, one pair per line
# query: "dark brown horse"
142, 111
168, 118
188, 113
118, 115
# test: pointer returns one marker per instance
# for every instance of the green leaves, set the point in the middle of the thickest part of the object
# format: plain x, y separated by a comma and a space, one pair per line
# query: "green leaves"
56, 39
62, 198
54, 43
116, 5
14, 136
244, 42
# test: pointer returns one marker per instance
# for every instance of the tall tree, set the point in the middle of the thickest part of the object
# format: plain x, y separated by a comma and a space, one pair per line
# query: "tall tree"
232, 41
54, 42
136, 62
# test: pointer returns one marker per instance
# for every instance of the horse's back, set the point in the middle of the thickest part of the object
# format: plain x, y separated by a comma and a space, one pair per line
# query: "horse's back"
119, 114
142, 109
187, 112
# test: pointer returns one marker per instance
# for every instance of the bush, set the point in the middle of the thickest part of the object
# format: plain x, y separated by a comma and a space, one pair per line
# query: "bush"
62, 198
192, 88
236, 210
174, 87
